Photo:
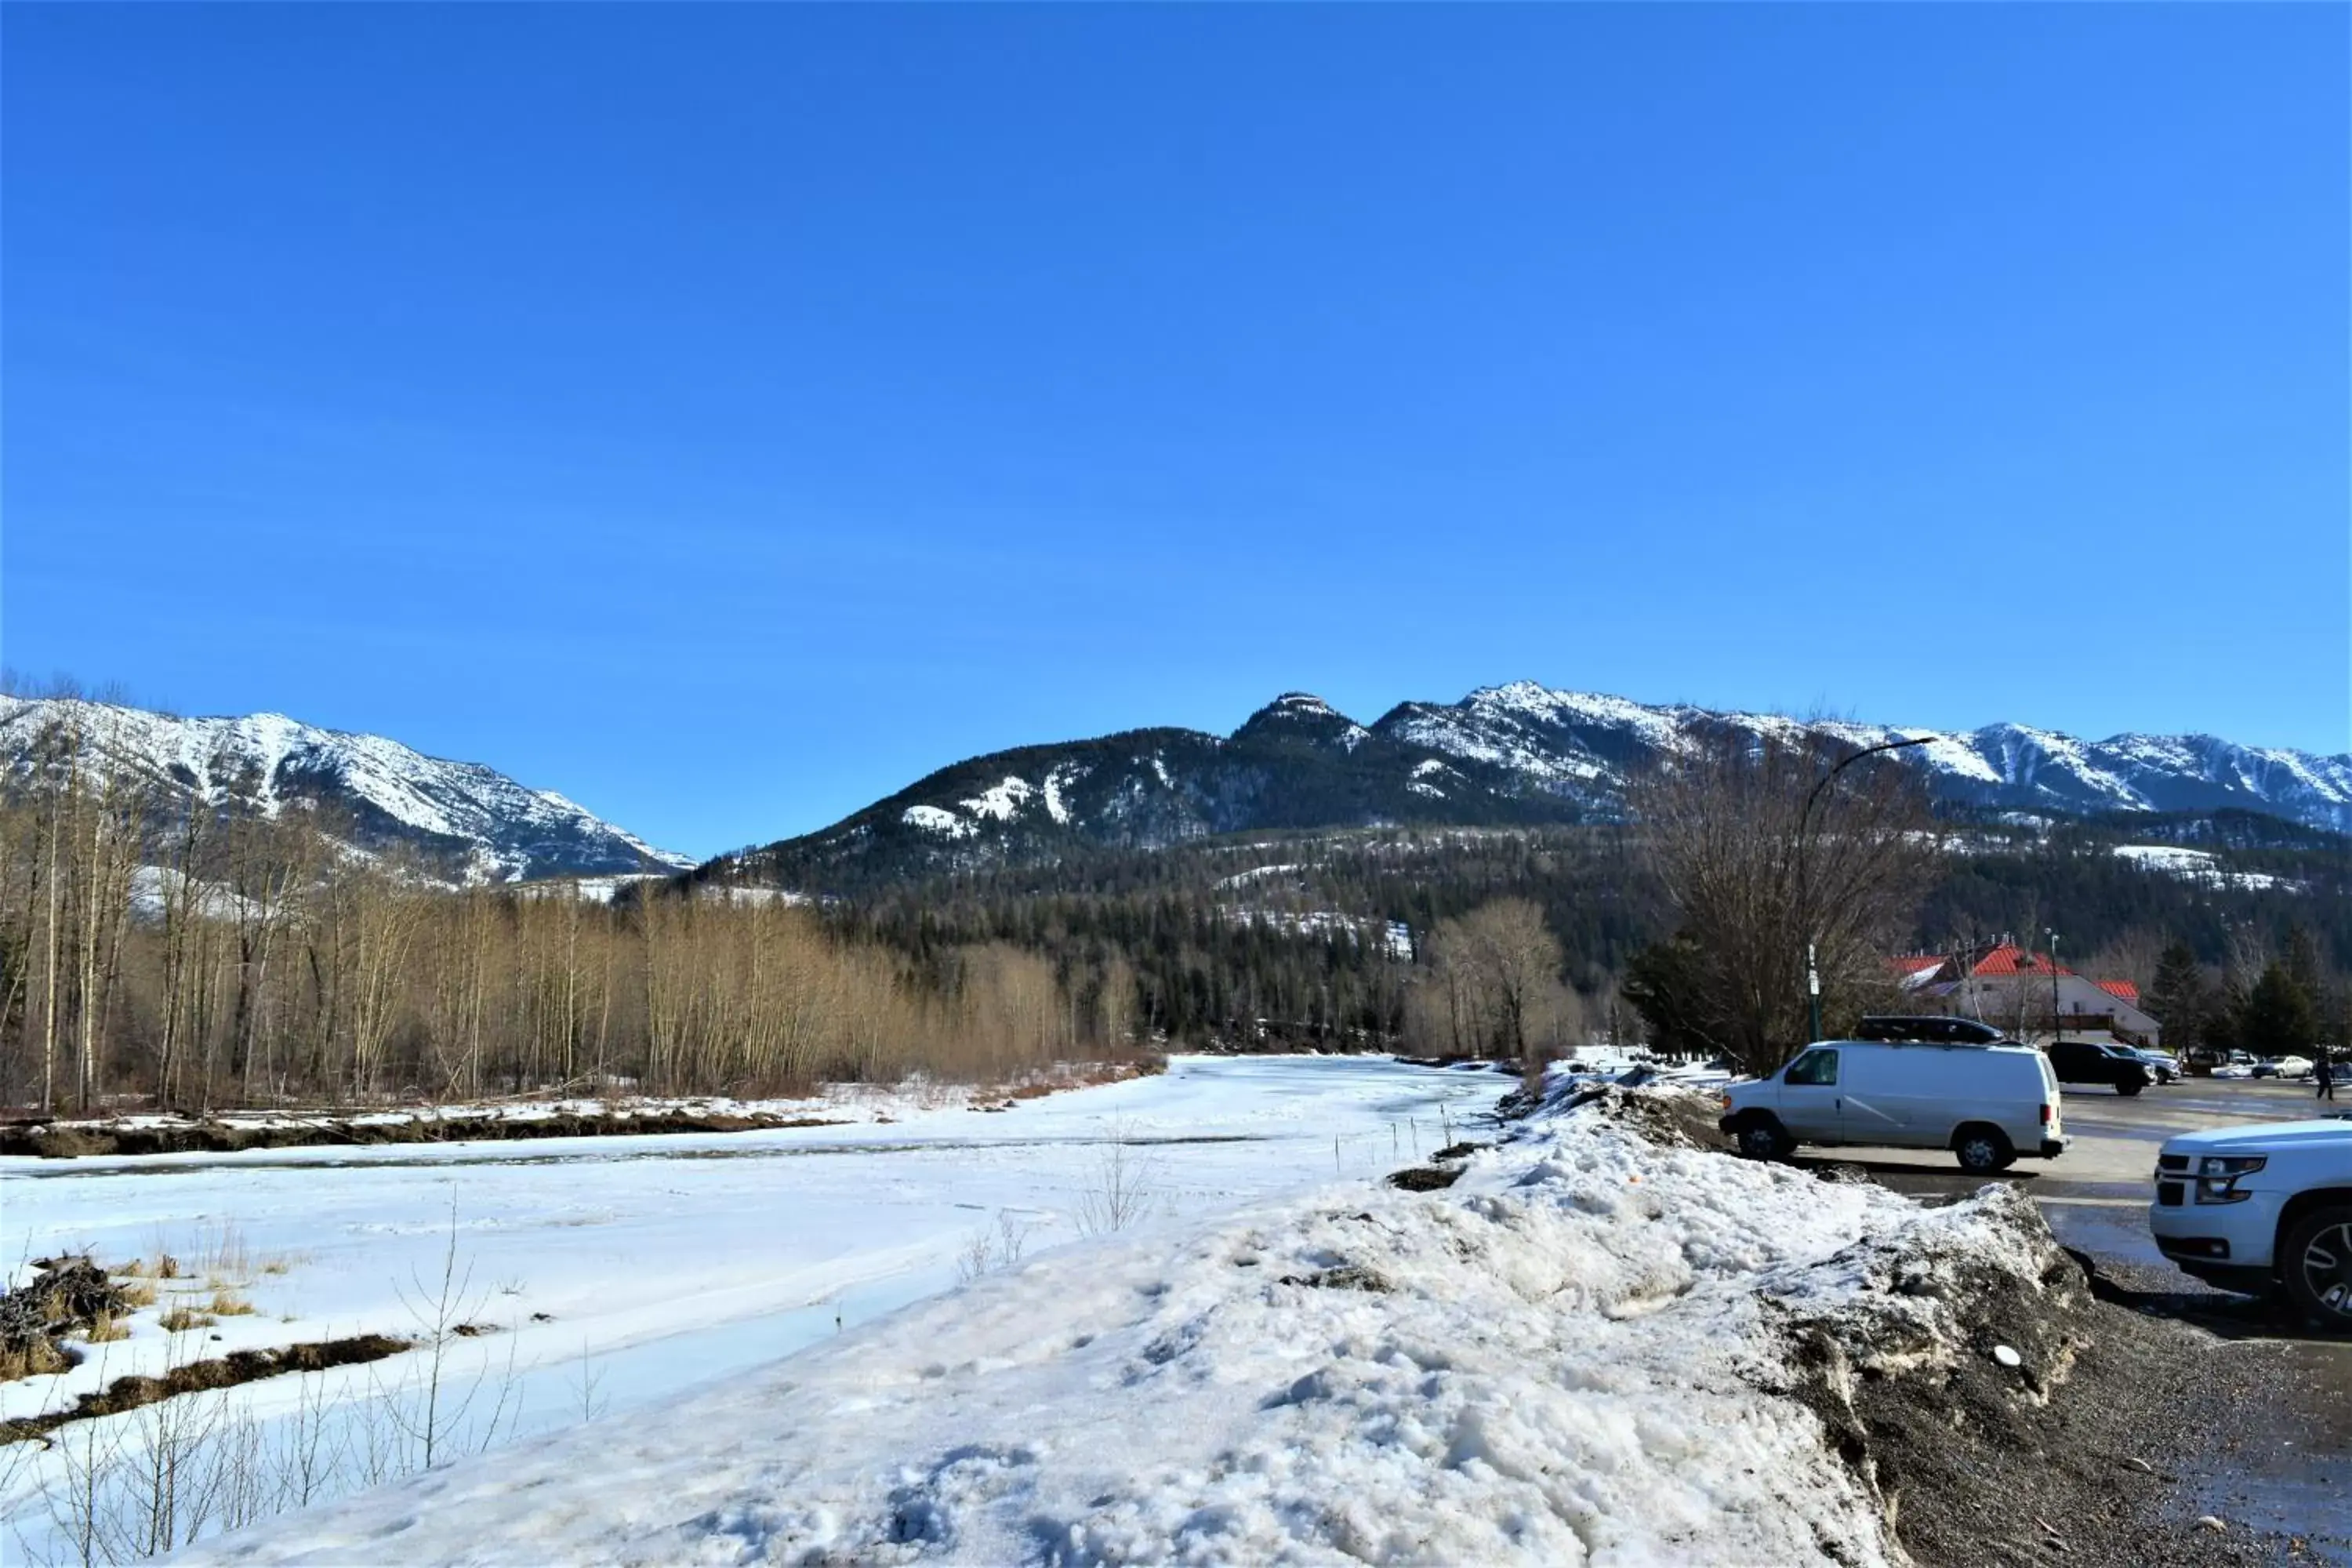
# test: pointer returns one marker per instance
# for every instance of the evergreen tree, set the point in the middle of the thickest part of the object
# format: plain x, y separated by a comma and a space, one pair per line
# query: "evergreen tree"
2303, 962
2279, 1015
2178, 999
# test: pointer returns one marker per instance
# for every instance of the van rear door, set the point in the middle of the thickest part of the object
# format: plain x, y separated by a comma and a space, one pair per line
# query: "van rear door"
2051, 1097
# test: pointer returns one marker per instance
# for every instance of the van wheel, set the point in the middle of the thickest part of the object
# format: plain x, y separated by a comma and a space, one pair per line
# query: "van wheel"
2316, 1266
2129, 1090
1764, 1139
1983, 1150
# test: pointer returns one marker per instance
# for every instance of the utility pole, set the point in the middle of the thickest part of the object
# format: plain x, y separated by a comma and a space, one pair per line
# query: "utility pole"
2057, 1024
1804, 901
1813, 991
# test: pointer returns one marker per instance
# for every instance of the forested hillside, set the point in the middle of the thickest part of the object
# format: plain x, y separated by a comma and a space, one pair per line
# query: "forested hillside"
1319, 938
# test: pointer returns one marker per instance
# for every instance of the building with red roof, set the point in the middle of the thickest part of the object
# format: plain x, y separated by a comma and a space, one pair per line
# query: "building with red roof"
2026, 993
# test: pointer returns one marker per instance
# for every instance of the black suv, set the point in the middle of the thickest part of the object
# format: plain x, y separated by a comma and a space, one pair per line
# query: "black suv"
1934, 1029
2081, 1061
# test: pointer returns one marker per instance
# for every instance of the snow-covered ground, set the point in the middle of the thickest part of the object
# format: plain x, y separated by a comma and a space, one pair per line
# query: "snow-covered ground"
620, 1270
1579, 1354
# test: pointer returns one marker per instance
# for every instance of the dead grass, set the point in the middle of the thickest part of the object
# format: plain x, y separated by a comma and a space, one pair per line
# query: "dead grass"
180, 1319
37, 1359
105, 1329
227, 1303
219, 1254
138, 1293
222, 1254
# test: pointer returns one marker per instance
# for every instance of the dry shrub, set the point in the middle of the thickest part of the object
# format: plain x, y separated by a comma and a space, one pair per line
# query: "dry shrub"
38, 1359
105, 1329
227, 1303
138, 1293
180, 1319
222, 1253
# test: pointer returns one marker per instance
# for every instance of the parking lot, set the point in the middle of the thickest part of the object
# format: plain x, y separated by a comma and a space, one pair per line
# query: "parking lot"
2293, 1479
2095, 1195
2115, 1141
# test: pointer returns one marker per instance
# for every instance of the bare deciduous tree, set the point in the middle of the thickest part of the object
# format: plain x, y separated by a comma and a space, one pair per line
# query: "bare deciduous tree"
1761, 855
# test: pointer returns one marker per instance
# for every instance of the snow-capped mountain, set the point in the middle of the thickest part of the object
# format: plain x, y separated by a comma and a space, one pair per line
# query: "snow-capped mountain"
1516, 754
474, 821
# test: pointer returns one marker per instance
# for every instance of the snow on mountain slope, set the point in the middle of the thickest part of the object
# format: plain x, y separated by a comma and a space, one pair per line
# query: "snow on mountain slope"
483, 824
2197, 865
1504, 754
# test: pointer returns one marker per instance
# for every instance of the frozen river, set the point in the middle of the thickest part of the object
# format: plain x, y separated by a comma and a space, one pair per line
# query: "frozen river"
615, 1271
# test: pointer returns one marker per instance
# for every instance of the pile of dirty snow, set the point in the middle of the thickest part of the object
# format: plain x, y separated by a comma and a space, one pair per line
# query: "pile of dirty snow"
1591, 1348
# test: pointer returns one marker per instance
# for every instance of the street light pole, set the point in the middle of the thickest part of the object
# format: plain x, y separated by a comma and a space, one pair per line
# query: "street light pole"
1804, 902
2057, 1022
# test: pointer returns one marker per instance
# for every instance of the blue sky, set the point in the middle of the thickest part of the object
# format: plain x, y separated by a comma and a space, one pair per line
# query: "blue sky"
727, 415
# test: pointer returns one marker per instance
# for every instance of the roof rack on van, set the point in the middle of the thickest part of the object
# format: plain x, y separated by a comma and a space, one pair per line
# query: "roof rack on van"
1933, 1030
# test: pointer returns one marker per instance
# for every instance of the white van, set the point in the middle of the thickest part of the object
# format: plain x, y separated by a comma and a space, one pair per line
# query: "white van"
1988, 1104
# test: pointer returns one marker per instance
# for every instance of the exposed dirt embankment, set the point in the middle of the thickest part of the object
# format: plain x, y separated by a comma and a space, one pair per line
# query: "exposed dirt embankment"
229, 1133
1999, 1411
2045, 1425
1667, 1115
222, 1137
221, 1372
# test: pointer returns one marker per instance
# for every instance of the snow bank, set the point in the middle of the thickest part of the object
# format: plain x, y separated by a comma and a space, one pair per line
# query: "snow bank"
1592, 1350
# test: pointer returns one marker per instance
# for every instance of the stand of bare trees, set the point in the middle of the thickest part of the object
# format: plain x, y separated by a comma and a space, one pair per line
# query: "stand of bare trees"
1762, 855
1493, 987
198, 954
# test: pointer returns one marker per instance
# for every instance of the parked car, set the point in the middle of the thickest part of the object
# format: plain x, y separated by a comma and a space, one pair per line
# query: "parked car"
2283, 1067
2166, 1067
2087, 1061
2263, 1208
1989, 1104
2158, 1072
2212, 1061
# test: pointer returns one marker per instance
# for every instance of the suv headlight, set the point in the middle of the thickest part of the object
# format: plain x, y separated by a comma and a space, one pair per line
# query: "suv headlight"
2216, 1177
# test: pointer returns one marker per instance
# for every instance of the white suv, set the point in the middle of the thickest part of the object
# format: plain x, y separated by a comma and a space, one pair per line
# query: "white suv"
2264, 1207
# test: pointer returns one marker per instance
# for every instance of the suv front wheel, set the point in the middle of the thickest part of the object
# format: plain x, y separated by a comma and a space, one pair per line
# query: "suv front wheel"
2316, 1265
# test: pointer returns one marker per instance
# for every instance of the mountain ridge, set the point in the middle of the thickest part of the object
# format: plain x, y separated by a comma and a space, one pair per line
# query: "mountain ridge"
479, 823
1515, 753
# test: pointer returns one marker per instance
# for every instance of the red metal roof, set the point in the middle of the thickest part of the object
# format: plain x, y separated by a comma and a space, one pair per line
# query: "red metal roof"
1916, 964
2123, 988
2011, 959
